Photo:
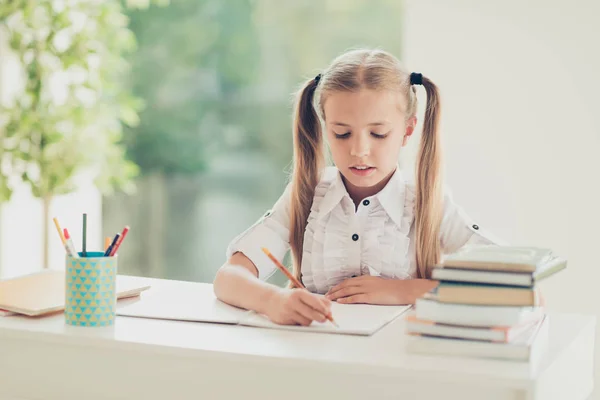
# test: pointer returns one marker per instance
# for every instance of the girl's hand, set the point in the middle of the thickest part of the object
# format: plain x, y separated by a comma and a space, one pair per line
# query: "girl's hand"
375, 290
298, 307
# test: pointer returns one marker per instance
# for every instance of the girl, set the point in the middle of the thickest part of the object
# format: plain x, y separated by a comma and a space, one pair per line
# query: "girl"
362, 231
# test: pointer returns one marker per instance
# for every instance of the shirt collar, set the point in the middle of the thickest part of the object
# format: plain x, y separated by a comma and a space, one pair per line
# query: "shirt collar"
391, 197
335, 192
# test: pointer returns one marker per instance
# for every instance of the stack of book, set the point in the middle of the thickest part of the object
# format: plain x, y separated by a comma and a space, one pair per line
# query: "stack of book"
486, 305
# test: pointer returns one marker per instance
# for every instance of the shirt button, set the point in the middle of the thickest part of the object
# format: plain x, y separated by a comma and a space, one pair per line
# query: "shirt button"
366, 202
355, 237
476, 227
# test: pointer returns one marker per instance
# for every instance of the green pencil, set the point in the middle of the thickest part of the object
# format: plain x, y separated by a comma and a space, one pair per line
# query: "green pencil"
83, 252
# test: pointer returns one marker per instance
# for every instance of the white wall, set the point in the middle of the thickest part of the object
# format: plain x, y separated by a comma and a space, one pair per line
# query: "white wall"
21, 238
521, 123
21, 250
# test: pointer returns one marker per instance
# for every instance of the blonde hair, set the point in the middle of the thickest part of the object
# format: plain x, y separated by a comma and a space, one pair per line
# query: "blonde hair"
351, 72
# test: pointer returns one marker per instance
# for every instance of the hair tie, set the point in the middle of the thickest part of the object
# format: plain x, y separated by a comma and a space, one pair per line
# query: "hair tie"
416, 78
317, 79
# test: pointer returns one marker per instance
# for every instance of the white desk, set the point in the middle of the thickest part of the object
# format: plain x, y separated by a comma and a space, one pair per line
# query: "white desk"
156, 359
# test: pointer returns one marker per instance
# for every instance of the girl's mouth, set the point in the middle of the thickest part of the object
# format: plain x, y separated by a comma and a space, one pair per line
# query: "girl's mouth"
362, 170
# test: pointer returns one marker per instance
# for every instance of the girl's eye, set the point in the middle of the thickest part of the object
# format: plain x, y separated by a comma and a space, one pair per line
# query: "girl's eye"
342, 136
378, 136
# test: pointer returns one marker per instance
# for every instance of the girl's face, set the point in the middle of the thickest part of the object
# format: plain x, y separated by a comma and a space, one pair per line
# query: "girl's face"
365, 131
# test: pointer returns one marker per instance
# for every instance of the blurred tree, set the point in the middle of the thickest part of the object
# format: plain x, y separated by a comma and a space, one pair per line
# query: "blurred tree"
192, 60
68, 115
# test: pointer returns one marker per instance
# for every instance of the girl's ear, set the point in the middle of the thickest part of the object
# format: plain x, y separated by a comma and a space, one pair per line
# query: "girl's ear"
410, 128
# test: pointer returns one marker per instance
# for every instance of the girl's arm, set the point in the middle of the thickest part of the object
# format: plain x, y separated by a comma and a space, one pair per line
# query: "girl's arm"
376, 290
410, 290
458, 228
241, 280
237, 284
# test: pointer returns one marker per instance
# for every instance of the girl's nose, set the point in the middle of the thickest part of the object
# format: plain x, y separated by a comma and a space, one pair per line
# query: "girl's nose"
360, 147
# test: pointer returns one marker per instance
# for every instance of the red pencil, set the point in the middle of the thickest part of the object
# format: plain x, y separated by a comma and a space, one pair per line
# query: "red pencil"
123, 234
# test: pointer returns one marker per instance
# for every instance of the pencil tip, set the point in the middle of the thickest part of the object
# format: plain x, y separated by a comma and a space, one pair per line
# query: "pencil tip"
330, 318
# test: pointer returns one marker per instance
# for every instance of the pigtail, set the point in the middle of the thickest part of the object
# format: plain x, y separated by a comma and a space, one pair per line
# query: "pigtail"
308, 163
428, 207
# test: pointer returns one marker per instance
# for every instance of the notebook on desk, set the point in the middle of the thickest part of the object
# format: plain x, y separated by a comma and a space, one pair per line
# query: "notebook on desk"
182, 305
198, 304
43, 292
353, 319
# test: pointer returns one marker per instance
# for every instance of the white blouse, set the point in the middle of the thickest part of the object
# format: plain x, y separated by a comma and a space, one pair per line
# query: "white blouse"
341, 241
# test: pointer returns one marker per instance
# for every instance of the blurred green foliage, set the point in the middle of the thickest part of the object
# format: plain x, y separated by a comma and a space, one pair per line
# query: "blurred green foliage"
217, 75
70, 104
193, 58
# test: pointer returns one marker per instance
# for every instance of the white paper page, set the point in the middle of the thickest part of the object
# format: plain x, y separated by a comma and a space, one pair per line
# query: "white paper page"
185, 305
353, 319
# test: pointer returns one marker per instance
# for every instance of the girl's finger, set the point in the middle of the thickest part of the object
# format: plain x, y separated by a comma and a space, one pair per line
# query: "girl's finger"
301, 319
346, 283
315, 302
336, 289
310, 313
345, 292
355, 299
326, 302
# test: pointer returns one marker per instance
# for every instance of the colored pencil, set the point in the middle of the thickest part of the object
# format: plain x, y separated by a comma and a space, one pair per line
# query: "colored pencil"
109, 250
123, 234
60, 232
69, 244
83, 240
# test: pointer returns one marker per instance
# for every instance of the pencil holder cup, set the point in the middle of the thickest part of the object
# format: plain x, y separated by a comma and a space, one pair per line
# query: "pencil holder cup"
90, 289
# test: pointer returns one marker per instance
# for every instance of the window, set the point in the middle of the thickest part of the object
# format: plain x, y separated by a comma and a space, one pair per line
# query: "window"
214, 142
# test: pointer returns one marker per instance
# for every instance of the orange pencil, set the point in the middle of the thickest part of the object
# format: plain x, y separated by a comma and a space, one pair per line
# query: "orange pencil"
106, 243
291, 277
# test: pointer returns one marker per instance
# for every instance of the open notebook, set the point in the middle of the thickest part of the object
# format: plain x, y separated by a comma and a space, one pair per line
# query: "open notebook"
198, 303
43, 292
